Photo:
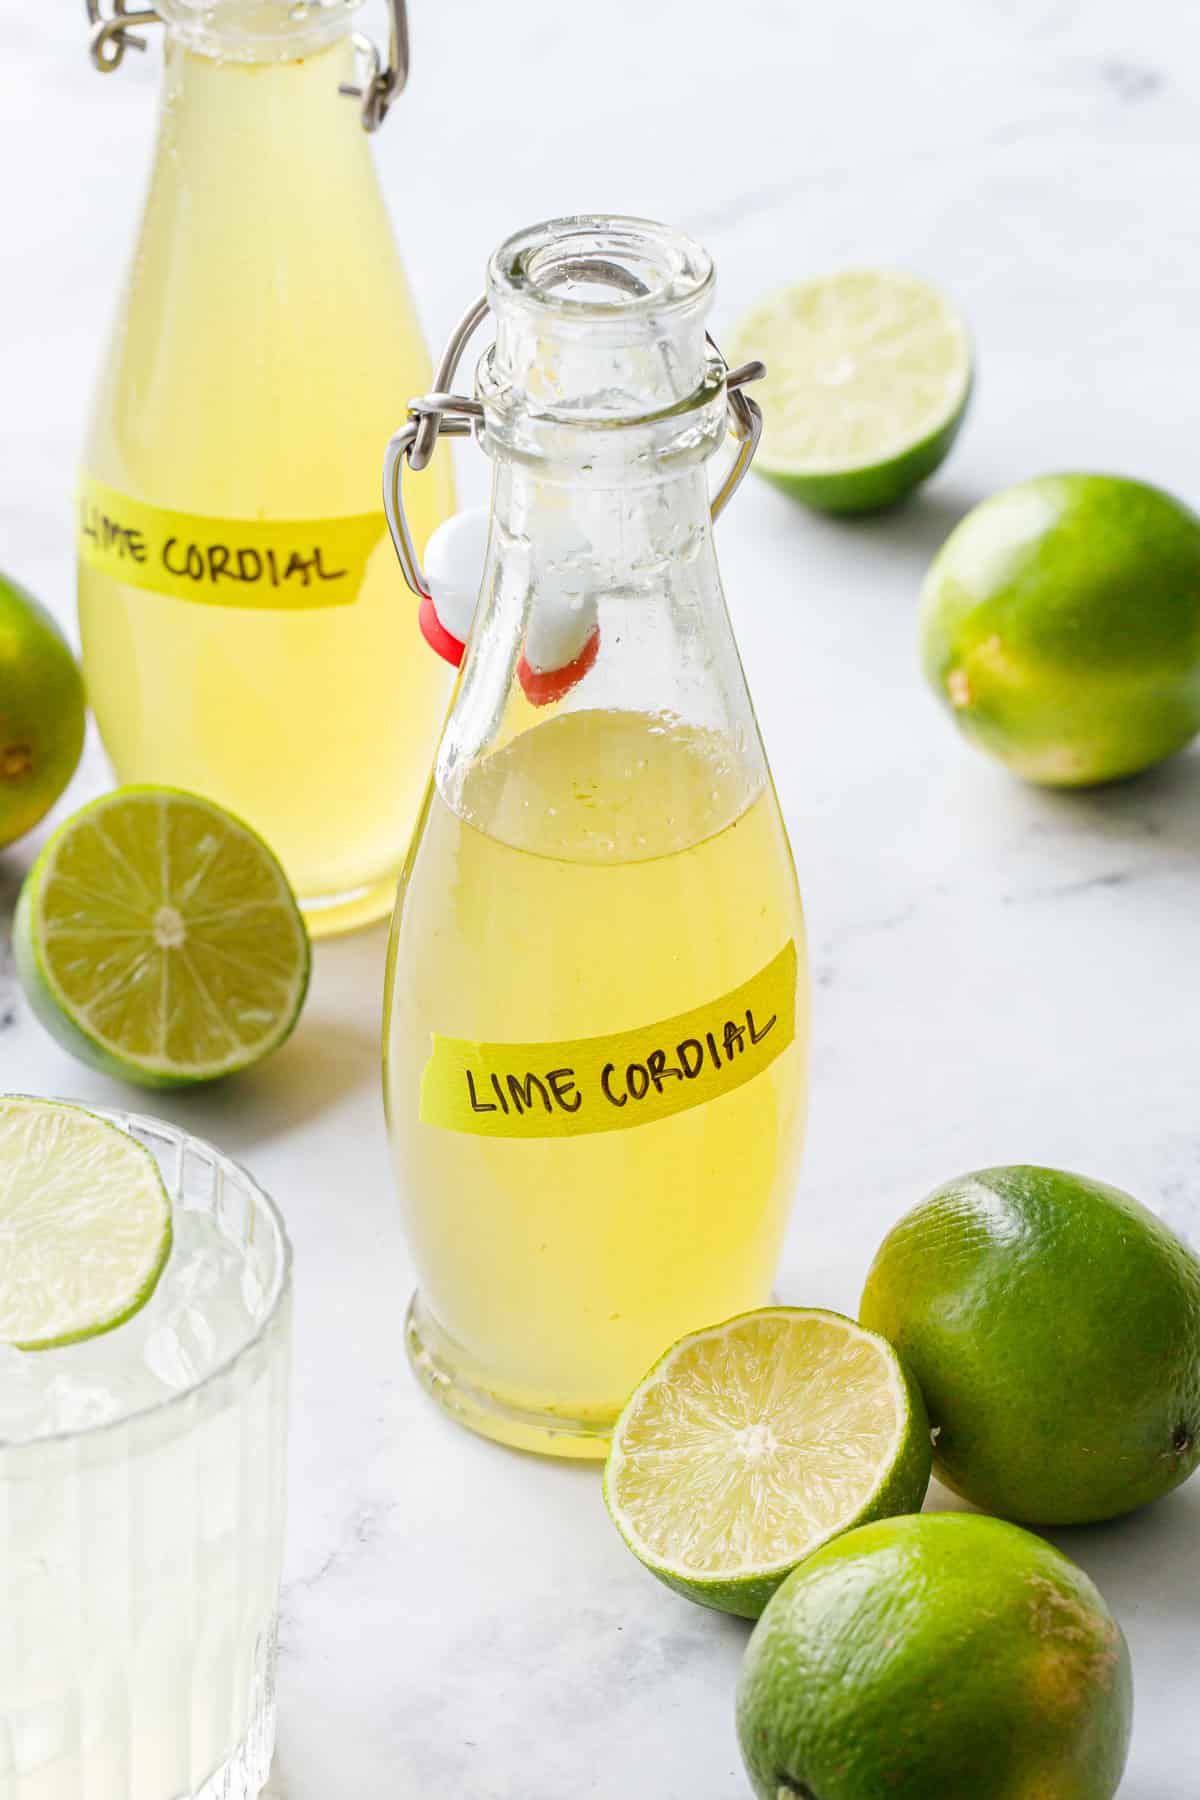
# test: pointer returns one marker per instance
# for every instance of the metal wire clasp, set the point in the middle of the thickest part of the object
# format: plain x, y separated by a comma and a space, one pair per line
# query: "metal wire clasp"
442, 413
111, 36
382, 80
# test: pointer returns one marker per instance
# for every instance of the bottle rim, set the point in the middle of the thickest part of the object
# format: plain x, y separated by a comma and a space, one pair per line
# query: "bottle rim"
598, 267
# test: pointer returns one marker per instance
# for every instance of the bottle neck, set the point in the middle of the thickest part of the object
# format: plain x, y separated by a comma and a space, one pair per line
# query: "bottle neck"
602, 405
261, 139
563, 534
616, 584
257, 31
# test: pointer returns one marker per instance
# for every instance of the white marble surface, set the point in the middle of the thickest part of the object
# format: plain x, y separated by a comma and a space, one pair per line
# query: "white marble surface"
1001, 974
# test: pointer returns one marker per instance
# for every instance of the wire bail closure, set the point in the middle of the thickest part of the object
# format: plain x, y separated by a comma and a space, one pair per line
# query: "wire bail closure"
442, 413
112, 34
383, 81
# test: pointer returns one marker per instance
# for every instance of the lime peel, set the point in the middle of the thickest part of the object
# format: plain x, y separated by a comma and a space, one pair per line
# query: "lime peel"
940, 1654
85, 1224
751, 1443
1054, 1325
42, 712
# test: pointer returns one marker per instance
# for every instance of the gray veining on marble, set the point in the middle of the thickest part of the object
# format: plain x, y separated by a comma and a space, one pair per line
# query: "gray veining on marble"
1001, 974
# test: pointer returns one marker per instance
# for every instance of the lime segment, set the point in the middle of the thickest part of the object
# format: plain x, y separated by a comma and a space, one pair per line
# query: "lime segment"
750, 1444
158, 939
868, 377
85, 1224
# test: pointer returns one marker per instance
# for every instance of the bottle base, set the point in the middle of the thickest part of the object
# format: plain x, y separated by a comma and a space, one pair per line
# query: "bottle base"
331, 915
435, 1358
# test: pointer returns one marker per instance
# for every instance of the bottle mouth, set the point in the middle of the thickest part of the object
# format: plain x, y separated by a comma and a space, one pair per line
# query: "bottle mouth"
599, 322
598, 267
258, 30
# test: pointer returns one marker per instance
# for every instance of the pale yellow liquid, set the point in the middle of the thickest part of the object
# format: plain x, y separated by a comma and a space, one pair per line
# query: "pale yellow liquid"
617, 872
265, 350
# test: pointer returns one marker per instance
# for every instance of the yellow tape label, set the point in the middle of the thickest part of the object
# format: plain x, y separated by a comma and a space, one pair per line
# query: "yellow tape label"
612, 1083
282, 564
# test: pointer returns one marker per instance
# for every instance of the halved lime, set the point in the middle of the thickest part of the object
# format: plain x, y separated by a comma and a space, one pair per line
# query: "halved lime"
157, 939
85, 1224
752, 1443
868, 378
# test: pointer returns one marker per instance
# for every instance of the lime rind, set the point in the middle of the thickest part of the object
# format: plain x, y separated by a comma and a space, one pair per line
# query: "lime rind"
43, 711
1054, 1324
744, 1585
946, 1654
67, 1021
1059, 628
78, 1259
869, 377
879, 487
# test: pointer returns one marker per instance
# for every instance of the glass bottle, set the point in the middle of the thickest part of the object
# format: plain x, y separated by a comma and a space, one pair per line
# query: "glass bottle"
245, 630
596, 1012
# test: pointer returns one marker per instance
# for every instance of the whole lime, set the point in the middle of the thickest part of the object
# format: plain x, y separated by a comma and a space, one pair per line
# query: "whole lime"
1060, 627
41, 712
934, 1657
1053, 1324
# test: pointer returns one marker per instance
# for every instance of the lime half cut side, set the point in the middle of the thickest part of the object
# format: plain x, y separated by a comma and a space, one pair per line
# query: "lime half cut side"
868, 378
752, 1443
85, 1224
157, 938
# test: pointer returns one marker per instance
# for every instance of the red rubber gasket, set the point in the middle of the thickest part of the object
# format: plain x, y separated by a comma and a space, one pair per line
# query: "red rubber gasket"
544, 686
448, 647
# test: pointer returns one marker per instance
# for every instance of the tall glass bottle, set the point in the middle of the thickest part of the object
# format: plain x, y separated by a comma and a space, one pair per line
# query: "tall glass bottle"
596, 1011
245, 630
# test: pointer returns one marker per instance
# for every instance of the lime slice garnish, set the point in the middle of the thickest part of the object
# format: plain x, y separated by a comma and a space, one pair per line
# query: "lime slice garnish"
157, 938
85, 1224
752, 1443
868, 377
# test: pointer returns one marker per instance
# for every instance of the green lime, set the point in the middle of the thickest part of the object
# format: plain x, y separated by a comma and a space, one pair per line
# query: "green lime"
85, 1224
1054, 1327
749, 1444
41, 712
868, 378
932, 1658
157, 938
1060, 627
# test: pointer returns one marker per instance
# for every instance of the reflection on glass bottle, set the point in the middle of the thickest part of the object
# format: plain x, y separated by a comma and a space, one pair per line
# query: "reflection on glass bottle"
245, 630
596, 1014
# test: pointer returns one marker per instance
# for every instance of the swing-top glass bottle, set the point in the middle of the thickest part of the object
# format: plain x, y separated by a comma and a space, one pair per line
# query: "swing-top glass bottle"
596, 1014
245, 632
